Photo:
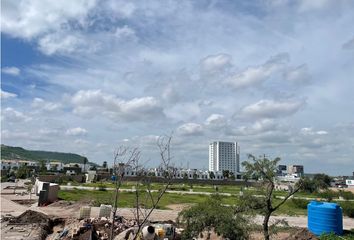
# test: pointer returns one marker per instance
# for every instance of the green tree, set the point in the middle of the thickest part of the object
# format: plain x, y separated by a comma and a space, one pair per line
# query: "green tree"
226, 174
265, 169
22, 172
210, 215
308, 185
42, 167
322, 181
319, 182
211, 175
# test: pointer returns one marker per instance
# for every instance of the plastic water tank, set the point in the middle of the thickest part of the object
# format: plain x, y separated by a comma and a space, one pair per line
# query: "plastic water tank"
324, 217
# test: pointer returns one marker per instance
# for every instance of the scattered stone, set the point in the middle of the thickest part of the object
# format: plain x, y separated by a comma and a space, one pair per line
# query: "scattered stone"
303, 234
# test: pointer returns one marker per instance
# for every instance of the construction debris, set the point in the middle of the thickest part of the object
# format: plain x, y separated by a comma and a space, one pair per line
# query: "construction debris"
90, 228
29, 225
30, 216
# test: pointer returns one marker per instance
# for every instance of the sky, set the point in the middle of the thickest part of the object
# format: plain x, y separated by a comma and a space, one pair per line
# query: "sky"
88, 76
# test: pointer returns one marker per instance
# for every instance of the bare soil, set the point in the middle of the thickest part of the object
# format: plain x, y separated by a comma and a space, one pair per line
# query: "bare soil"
30, 216
179, 207
291, 234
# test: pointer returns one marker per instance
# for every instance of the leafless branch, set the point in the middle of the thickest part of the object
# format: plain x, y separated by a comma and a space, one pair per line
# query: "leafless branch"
164, 144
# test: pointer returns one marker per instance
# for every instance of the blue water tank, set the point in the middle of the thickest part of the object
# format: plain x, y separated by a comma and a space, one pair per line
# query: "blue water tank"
324, 217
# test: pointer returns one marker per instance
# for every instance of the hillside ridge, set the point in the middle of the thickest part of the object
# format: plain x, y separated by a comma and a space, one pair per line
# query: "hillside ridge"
10, 152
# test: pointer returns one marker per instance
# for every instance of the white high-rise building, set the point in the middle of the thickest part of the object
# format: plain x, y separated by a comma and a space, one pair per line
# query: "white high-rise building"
224, 156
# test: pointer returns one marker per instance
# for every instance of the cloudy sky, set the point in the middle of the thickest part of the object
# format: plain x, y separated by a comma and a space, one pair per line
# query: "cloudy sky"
87, 76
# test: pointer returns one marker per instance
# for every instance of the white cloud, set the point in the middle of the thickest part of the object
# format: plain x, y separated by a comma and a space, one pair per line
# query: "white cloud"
78, 131
269, 126
5, 95
216, 121
91, 102
190, 129
144, 140
322, 132
306, 5
13, 116
170, 95
213, 64
49, 132
125, 33
81, 142
154, 59
120, 8
264, 125
27, 19
14, 71
183, 111
298, 75
255, 76
43, 105
62, 43
272, 109
309, 131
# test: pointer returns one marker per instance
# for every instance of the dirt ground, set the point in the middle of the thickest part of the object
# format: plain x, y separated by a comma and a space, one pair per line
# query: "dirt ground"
70, 211
179, 207
291, 234
349, 189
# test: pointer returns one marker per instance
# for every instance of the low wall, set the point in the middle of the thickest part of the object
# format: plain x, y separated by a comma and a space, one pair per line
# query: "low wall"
61, 178
53, 193
185, 181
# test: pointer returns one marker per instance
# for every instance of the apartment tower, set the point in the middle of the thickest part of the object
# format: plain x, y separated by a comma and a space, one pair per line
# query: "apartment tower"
224, 156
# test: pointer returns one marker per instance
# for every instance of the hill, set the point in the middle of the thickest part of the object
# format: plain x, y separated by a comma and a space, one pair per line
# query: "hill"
9, 152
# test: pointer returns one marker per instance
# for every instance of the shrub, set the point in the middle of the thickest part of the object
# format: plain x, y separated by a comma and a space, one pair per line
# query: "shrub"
329, 236
102, 187
346, 195
300, 203
348, 208
212, 215
328, 195
4, 178
332, 236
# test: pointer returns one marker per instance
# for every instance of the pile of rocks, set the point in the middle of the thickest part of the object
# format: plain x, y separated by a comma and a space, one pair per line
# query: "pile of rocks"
97, 228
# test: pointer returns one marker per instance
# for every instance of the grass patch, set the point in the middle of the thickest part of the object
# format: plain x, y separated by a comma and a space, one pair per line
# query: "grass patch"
127, 199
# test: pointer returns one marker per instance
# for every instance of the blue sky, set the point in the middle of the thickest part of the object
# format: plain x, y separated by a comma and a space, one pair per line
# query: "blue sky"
88, 76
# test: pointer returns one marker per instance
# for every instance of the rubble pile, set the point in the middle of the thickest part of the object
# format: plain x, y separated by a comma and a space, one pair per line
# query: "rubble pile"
32, 217
94, 228
29, 225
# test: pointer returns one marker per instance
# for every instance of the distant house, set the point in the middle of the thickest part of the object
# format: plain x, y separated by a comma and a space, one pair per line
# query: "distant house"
55, 166
350, 183
72, 169
296, 169
16, 163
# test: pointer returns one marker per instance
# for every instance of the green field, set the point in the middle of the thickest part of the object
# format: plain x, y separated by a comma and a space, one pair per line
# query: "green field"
127, 199
196, 188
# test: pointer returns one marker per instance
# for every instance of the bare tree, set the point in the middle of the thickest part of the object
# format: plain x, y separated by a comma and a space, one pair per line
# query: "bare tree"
150, 200
123, 157
145, 201
265, 170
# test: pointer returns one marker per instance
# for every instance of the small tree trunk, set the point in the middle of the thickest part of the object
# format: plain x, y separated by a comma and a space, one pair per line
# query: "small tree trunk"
265, 225
114, 211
